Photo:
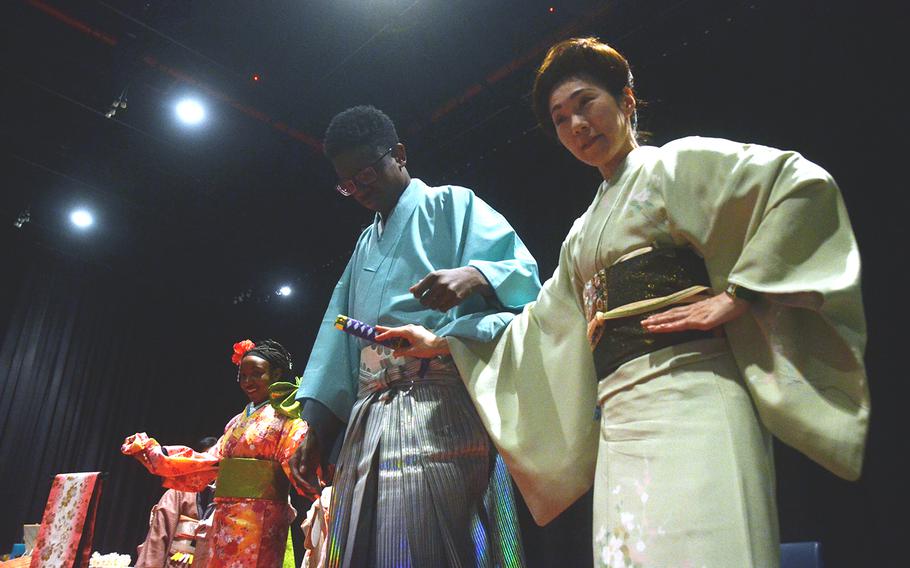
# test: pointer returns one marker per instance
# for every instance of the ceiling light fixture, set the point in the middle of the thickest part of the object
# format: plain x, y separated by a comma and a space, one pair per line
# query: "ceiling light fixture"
82, 218
190, 111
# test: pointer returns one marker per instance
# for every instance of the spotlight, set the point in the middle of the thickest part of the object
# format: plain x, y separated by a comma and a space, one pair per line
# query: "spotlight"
284, 291
190, 111
23, 218
119, 103
256, 77
82, 218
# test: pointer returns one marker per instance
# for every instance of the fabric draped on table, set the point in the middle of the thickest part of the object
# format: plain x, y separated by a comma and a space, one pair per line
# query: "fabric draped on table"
68, 524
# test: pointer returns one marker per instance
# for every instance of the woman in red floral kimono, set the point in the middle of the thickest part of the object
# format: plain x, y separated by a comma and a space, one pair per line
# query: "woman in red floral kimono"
252, 513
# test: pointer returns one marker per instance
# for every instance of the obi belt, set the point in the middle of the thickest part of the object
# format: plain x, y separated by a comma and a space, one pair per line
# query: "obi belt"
642, 283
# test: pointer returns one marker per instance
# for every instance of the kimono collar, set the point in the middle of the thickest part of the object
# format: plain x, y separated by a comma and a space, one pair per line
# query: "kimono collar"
633, 159
400, 214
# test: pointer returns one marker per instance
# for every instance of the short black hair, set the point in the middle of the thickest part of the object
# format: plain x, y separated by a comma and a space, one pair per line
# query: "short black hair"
358, 126
276, 355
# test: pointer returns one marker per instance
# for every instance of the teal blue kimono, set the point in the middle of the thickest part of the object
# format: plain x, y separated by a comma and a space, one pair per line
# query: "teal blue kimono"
418, 482
430, 228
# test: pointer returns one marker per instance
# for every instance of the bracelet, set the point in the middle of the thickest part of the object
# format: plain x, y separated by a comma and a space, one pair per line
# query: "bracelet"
737, 291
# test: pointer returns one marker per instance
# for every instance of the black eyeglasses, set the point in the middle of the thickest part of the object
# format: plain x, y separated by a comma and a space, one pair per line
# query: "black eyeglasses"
365, 176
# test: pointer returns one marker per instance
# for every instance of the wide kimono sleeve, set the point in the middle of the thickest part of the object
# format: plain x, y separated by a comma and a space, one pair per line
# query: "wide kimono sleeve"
775, 223
180, 467
541, 366
484, 239
330, 374
292, 434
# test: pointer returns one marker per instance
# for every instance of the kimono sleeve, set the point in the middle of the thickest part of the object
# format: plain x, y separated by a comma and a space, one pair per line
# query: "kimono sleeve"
486, 241
292, 435
531, 387
775, 223
493, 247
180, 467
329, 376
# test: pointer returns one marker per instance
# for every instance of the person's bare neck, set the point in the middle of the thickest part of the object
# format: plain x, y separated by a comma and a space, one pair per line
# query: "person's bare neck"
607, 170
385, 213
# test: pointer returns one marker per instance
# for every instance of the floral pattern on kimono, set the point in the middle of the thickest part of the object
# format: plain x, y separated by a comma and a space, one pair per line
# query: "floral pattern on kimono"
246, 532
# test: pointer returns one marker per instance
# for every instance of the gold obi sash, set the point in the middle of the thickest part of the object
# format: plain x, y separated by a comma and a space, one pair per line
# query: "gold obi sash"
641, 283
251, 479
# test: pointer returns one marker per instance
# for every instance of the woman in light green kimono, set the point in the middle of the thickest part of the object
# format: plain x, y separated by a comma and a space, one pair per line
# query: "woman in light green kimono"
696, 364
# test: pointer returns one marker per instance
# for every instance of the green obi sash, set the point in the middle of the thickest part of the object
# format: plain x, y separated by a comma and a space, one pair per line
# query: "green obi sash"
251, 479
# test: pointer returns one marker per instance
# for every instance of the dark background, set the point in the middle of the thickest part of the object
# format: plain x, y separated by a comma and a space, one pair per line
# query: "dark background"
128, 326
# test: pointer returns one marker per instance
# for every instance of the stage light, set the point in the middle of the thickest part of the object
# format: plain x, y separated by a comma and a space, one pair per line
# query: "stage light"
82, 218
256, 77
285, 291
552, 10
23, 218
190, 111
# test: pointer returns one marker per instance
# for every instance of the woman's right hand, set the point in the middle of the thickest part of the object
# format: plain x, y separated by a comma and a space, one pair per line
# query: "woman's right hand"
703, 315
423, 343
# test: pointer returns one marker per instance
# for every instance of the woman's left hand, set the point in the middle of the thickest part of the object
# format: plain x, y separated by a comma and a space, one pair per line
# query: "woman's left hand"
424, 344
704, 315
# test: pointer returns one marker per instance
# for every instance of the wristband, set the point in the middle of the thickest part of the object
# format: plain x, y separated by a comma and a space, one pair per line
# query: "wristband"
737, 291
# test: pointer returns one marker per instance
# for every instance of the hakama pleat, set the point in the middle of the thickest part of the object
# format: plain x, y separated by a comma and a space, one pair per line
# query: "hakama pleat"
418, 480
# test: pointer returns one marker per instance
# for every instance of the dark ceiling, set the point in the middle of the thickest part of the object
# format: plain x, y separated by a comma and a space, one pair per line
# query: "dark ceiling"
251, 178
243, 202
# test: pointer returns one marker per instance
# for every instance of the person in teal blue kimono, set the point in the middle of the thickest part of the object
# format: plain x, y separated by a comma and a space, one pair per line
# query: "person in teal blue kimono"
418, 481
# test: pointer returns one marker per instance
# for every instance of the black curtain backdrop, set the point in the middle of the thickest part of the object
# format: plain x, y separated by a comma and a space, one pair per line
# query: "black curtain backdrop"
85, 362
90, 356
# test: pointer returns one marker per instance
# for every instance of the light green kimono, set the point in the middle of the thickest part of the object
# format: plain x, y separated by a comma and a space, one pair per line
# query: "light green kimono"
765, 219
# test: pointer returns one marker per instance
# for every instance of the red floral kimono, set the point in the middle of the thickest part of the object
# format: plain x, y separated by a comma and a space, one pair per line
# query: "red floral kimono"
246, 532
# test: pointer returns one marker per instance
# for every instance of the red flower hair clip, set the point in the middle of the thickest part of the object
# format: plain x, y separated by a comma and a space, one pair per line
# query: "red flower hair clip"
240, 349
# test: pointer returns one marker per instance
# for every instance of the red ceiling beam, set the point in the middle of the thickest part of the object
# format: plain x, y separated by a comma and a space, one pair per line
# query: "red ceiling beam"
181, 76
73, 22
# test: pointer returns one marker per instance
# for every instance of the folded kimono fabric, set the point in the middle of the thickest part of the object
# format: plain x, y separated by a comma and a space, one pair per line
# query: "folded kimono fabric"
68, 524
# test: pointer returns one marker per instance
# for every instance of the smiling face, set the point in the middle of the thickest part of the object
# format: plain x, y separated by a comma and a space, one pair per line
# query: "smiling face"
382, 193
592, 124
255, 376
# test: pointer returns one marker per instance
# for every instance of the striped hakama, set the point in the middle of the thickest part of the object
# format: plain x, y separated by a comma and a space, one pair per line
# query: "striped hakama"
419, 482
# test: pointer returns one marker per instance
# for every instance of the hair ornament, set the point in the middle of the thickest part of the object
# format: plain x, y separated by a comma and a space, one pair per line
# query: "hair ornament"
240, 349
